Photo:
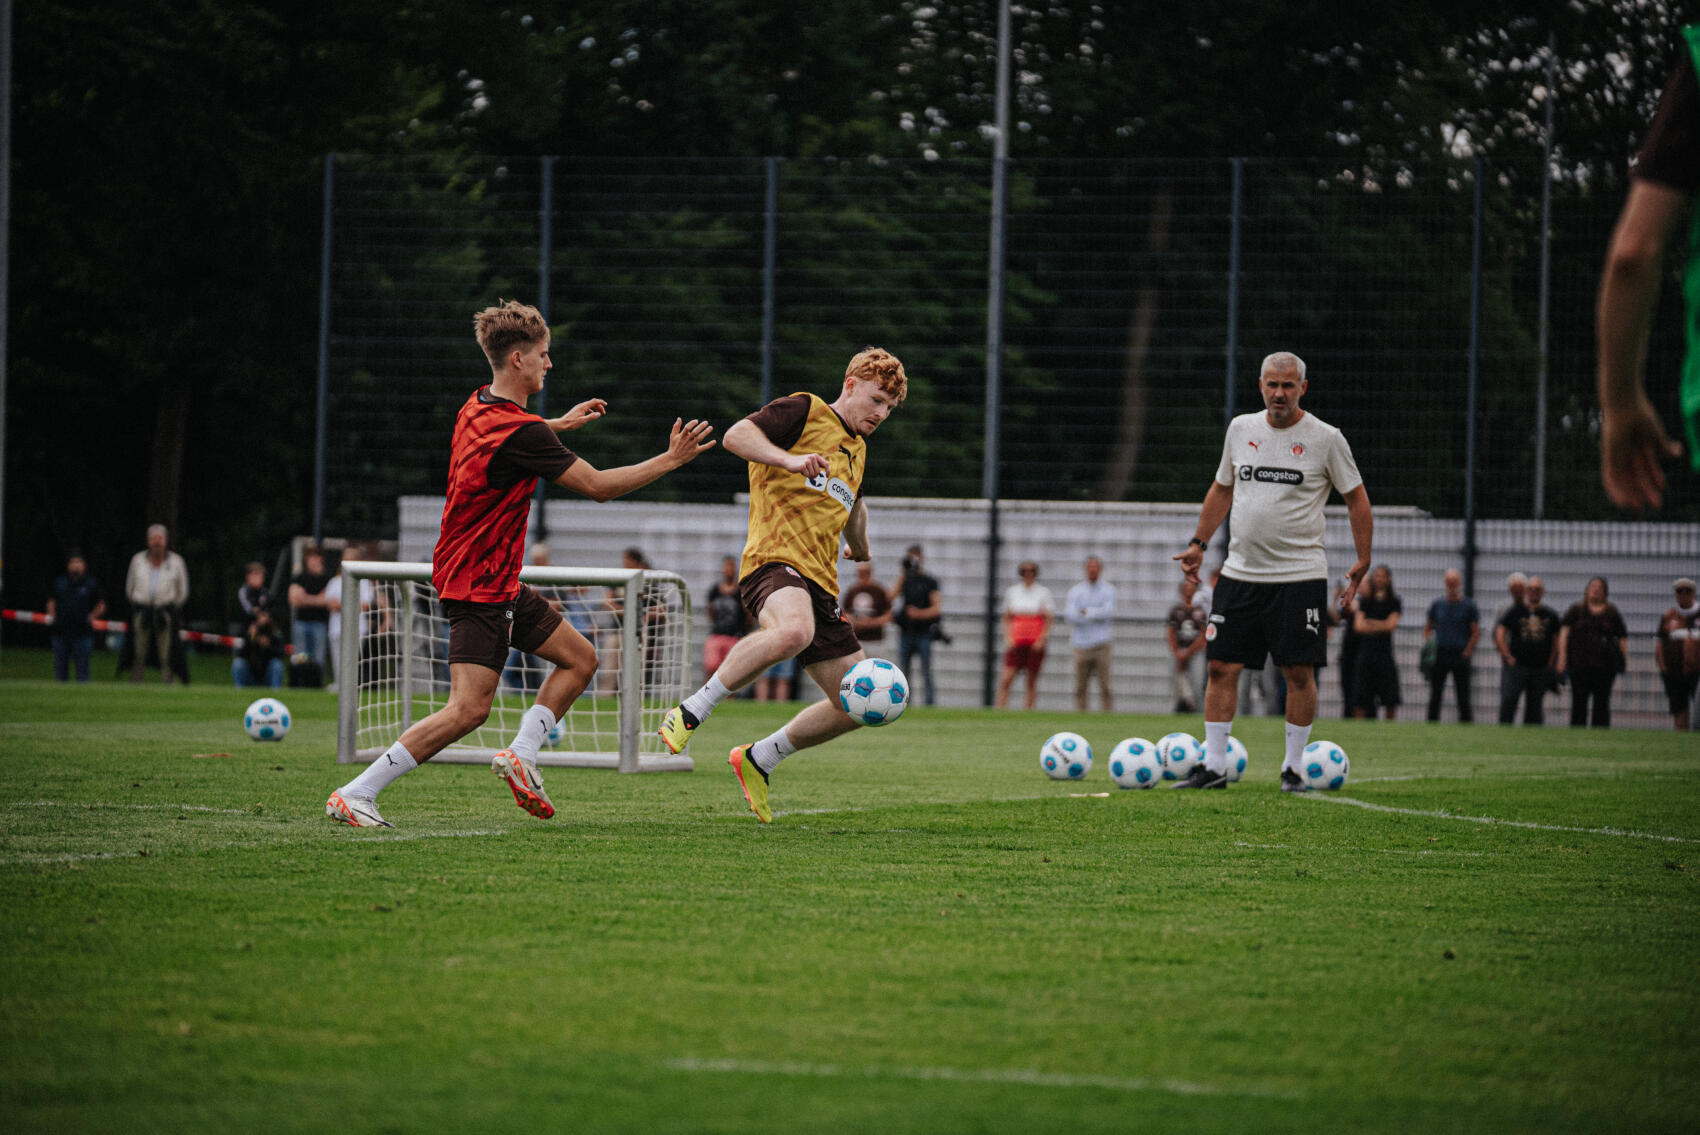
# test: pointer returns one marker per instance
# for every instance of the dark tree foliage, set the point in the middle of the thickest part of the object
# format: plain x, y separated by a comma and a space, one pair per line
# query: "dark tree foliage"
168, 157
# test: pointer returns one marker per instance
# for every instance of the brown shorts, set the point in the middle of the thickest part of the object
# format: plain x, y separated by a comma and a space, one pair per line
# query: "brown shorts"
482, 633
833, 636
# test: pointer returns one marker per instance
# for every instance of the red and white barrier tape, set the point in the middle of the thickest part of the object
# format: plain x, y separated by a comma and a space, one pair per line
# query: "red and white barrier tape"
41, 618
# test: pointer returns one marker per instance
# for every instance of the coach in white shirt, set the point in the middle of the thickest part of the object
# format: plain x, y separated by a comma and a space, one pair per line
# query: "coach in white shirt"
1090, 606
1277, 470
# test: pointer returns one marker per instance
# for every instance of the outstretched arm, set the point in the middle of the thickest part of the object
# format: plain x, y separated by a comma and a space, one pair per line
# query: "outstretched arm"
582, 414
1632, 439
745, 439
687, 441
1217, 501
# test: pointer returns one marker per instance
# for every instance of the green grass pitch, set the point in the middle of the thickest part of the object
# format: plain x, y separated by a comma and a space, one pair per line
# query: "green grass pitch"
1490, 929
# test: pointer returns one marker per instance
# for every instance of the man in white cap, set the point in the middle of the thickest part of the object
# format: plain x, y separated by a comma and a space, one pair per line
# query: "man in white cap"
1677, 651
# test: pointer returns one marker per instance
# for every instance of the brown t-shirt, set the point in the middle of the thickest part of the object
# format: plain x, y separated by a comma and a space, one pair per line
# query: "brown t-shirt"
782, 419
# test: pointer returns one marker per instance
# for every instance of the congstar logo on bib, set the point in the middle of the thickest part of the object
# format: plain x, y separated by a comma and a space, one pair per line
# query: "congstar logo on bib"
834, 488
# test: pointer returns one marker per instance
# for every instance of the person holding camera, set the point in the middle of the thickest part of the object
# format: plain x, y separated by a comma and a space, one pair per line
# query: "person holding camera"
916, 606
259, 660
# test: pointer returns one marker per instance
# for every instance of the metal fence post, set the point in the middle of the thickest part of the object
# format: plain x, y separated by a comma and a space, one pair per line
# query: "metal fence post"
545, 247
1475, 376
769, 269
319, 417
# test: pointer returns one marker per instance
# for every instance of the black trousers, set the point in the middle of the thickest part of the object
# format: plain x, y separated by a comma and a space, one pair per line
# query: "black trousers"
1591, 687
1450, 660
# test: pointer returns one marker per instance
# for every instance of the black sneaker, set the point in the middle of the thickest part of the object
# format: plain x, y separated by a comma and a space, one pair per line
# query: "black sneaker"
1201, 777
1292, 781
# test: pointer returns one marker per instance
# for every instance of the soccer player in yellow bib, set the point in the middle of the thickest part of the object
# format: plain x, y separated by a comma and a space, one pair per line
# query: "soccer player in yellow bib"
806, 458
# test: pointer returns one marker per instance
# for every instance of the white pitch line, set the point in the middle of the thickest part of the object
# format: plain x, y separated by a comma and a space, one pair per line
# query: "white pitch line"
1375, 850
1495, 820
1025, 1076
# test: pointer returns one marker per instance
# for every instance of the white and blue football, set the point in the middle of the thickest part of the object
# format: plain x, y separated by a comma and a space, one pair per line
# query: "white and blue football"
1180, 754
266, 720
1237, 758
874, 692
1325, 766
1134, 763
1065, 756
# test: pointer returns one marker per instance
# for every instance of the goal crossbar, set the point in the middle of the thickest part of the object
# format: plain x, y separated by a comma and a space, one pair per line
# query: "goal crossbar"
392, 665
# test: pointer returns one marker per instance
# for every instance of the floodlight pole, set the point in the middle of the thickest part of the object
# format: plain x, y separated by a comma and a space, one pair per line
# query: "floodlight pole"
994, 352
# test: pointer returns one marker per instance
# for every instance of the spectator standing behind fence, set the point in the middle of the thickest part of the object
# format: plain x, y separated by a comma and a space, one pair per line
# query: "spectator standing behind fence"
1091, 607
1344, 614
1664, 176
1455, 625
1677, 651
157, 586
310, 613
1184, 630
1527, 638
1378, 611
1028, 613
1593, 649
867, 605
727, 620
76, 601
916, 607
1516, 585
371, 606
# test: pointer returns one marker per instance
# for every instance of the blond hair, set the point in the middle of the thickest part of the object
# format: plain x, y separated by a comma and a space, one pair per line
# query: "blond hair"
882, 368
508, 325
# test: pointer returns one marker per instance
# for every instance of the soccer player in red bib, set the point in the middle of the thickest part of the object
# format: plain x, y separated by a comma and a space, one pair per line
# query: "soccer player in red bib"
500, 449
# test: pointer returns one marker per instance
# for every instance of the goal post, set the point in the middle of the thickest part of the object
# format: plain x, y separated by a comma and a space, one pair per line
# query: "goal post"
395, 650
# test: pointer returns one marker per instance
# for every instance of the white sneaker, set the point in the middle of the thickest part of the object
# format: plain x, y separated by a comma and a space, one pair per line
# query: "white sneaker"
355, 811
527, 786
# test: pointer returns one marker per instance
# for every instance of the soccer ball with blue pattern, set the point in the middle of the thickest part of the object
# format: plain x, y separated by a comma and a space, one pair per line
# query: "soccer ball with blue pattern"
557, 733
1237, 758
1324, 765
1066, 756
874, 692
266, 720
1134, 763
1180, 754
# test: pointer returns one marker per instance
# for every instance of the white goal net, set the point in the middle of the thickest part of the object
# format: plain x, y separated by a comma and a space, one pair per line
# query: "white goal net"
397, 651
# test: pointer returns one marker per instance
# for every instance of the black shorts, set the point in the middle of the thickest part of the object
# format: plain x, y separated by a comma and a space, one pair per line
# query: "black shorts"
1679, 688
482, 633
1281, 620
833, 636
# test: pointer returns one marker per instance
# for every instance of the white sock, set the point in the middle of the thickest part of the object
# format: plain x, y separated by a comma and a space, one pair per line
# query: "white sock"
533, 729
1216, 745
700, 704
1298, 736
769, 751
395, 761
